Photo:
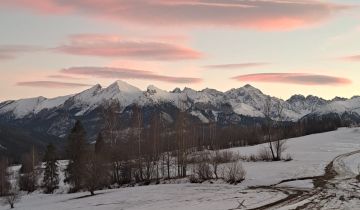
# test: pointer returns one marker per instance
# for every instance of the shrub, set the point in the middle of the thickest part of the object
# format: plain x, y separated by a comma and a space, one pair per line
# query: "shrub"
253, 158
228, 156
264, 154
194, 179
201, 172
12, 197
288, 158
204, 171
234, 173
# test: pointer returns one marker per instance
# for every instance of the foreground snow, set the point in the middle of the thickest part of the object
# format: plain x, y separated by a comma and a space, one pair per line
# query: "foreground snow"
310, 153
310, 156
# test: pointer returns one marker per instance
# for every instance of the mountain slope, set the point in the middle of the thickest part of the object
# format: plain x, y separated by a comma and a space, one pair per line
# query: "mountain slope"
15, 141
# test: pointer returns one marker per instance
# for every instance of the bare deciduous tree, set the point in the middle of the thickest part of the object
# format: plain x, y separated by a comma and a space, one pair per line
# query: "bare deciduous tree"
269, 124
181, 139
4, 177
92, 174
137, 134
280, 144
215, 160
276, 144
12, 196
111, 132
28, 180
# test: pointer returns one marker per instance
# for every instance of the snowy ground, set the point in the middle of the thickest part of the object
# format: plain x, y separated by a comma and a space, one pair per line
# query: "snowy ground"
311, 154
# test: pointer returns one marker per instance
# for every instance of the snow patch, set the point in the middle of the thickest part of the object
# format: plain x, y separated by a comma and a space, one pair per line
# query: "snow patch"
200, 116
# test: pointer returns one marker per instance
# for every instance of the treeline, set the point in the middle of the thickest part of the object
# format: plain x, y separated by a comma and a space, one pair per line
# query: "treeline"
35, 173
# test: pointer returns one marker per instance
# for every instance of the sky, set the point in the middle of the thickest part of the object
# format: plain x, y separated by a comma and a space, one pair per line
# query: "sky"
283, 47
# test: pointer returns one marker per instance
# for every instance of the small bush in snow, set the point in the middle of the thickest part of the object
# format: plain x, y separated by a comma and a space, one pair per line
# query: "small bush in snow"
264, 154
228, 156
234, 173
194, 179
204, 171
201, 172
12, 197
288, 157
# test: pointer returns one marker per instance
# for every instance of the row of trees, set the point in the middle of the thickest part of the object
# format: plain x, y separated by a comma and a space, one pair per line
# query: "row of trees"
27, 178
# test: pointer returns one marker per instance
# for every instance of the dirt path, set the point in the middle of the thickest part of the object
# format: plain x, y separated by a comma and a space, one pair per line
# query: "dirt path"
333, 190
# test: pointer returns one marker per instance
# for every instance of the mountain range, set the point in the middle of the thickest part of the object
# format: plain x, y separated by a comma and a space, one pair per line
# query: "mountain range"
56, 116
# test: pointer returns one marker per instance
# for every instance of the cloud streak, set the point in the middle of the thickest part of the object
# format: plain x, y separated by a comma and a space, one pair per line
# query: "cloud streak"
236, 65
124, 73
351, 58
258, 14
59, 76
51, 84
12, 51
293, 78
116, 46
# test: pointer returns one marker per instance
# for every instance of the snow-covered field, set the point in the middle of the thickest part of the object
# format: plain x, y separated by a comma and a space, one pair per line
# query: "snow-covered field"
310, 156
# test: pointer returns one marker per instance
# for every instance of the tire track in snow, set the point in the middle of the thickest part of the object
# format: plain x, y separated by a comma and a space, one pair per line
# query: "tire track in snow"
325, 188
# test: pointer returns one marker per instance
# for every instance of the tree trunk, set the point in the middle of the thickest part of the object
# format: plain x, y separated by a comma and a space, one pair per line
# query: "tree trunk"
270, 145
168, 165
215, 171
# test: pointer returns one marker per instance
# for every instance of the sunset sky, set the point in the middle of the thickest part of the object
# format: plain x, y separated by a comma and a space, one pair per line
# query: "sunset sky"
283, 47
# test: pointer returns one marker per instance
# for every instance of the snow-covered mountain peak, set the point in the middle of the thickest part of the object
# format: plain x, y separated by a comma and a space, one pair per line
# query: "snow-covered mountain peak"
187, 89
156, 94
93, 90
122, 86
212, 91
246, 90
87, 94
250, 88
296, 98
152, 89
176, 90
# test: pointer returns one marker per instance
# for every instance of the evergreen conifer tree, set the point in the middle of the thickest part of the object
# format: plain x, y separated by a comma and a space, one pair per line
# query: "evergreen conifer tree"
51, 176
76, 153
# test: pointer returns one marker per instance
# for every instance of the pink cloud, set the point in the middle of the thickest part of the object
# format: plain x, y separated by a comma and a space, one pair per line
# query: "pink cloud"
236, 65
258, 14
125, 73
42, 6
12, 51
116, 46
59, 76
51, 84
293, 78
351, 58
